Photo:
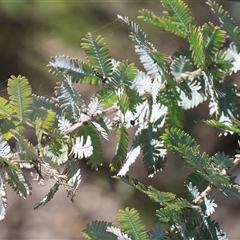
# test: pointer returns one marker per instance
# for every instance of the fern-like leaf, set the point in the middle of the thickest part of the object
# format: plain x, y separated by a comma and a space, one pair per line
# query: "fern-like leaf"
123, 101
210, 205
45, 119
18, 182
124, 73
80, 150
214, 38
158, 233
212, 93
100, 130
222, 161
229, 26
70, 99
192, 191
232, 57
154, 152
72, 170
180, 66
210, 227
94, 107
152, 63
174, 115
106, 96
5, 149
98, 231
165, 215
197, 44
96, 158
164, 23
184, 145
177, 18
163, 198
121, 151
178, 12
188, 149
6, 109
223, 126
229, 103
77, 70
116, 231
130, 221
97, 53
49, 196
142, 83
20, 92
137, 34
130, 159
49, 104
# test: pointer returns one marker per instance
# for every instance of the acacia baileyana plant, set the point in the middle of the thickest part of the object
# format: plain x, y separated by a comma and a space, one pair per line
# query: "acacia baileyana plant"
153, 100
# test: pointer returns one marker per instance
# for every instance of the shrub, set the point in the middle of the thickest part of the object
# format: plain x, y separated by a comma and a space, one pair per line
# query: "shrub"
154, 101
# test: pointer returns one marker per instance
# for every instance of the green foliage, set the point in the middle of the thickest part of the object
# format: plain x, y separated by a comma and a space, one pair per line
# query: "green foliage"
97, 54
20, 92
79, 71
121, 151
228, 24
132, 224
152, 101
98, 230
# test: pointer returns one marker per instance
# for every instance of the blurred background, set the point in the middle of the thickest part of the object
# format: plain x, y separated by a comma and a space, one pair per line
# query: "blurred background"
32, 32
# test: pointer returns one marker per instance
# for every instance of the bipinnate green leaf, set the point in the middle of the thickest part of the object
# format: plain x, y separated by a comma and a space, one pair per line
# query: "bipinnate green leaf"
178, 12
158, 233
228, 24
44, 119
81, 149
117, 232
214, 38
77, 70
132, 224
95, 159
154, 152
97, 52
18, 182
20, 92
73, 172
6, 110
186, 147
197, 44
121, 150
177, 19
70, 99
49, 196
98, 230
106, 96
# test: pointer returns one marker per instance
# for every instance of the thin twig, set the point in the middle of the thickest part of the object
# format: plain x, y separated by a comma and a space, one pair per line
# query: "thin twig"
183, 76
208, 188
85, 118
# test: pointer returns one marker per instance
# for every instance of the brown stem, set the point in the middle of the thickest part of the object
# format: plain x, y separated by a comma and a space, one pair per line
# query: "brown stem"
85, 118
208, 188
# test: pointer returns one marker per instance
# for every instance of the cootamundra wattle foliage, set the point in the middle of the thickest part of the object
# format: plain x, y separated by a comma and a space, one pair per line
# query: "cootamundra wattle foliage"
152, 100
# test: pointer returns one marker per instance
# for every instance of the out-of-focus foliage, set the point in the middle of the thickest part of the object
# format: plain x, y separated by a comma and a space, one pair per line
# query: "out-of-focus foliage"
31, 33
